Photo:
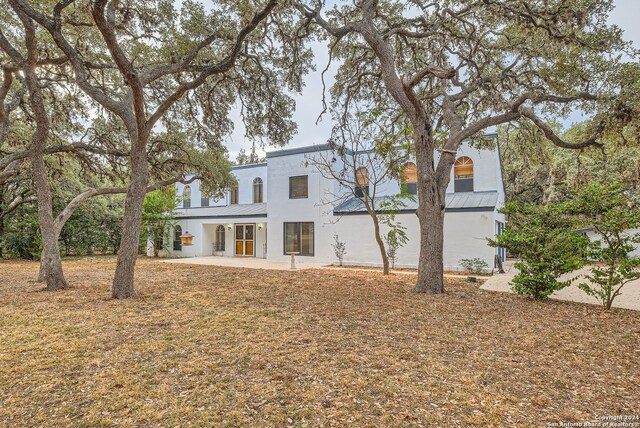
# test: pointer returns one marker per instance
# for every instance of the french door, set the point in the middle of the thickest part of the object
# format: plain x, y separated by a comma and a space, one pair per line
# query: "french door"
245, 239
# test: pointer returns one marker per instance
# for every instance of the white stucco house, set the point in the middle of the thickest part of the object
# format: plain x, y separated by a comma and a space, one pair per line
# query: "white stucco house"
280, 207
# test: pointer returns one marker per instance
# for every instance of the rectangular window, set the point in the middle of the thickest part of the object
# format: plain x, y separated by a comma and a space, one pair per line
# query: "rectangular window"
299, 187
298, 238
360, 191
204, 201
410, 188
463, 185
233, 197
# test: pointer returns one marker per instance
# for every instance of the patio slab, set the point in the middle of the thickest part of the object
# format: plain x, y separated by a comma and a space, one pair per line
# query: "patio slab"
245, 262
629, 297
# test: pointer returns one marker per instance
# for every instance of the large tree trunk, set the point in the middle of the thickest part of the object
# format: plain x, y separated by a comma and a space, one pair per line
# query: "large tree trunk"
1, 232
50, 258
431, 205
1, 228
123, 286
430, 266
50, 261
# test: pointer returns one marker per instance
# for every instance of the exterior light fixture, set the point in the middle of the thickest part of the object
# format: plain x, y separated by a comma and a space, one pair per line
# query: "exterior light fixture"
186, 238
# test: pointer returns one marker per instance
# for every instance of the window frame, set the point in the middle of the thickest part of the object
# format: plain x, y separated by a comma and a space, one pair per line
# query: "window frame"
406, 183
463, 183
186, 197
220, 245
233, 197
291, 178
177, 242
259, 184
362, 182
299, 234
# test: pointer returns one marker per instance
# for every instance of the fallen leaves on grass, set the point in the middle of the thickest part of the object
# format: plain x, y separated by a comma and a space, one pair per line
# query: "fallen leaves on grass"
209, 346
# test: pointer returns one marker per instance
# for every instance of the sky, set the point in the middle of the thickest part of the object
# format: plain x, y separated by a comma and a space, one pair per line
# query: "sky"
309, 104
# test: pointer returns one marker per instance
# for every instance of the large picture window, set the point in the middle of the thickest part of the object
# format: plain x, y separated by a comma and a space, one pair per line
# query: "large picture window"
299, 187
298, 238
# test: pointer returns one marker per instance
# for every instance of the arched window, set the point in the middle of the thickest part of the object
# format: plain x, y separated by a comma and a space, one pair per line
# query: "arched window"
177, 242
186, 197
362, 181
257, 190
233, 196
410, 178
220, 238
463, 174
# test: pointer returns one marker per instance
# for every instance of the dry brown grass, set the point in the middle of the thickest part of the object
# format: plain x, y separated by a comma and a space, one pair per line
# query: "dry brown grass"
207, 347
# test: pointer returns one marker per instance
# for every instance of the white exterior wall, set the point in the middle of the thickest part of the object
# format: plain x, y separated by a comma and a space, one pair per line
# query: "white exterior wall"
245, 174
203, 231
593, 236
465, 231
282, 209
465, 238
485, 174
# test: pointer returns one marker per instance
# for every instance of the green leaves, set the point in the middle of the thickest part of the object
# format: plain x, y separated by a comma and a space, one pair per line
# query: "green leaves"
613, 213
157, 217
545, 240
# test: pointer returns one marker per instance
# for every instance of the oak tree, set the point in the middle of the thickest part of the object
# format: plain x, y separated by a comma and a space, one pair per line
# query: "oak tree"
451, 70
150, 66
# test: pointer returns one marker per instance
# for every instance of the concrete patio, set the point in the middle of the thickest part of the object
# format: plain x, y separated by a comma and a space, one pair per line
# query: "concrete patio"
629, 297
245, 262
259, 263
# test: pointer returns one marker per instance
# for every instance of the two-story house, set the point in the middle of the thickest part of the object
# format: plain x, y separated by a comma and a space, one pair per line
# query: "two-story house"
280, 206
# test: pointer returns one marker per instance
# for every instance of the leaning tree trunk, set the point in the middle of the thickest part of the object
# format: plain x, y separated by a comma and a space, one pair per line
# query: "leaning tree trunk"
431, 205
383, 250
50, 259
123, 286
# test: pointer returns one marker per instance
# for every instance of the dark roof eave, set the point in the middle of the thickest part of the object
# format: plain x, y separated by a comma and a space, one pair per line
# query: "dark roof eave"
413, 211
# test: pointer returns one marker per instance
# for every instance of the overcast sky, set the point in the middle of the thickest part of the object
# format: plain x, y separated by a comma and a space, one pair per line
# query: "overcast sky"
308, 105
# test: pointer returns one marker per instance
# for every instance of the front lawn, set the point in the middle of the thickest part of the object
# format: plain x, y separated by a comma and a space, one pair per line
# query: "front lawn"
207, 346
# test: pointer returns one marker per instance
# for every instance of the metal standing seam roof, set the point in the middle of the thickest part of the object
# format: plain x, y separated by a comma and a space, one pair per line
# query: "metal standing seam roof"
234, 210
454, 201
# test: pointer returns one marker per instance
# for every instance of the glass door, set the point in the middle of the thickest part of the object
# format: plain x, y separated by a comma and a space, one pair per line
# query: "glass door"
245, 239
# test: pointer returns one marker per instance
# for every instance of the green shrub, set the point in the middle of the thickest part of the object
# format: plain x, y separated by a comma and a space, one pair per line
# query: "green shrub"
543, 238
22, 238
475, 265
611, 212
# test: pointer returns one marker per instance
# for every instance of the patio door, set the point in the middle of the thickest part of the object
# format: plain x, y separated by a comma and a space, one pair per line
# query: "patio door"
245, 237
